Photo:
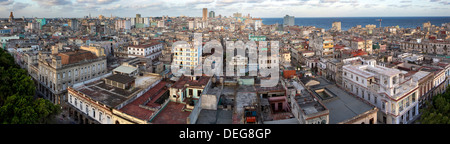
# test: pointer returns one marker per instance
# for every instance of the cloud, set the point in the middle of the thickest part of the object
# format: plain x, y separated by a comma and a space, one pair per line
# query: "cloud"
50, 3
97, 1
328, 1
400, 6
405, 1
445, 3
19, 5
370, 5
6, 2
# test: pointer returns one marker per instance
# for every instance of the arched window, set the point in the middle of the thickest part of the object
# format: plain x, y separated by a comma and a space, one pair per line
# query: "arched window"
117, 122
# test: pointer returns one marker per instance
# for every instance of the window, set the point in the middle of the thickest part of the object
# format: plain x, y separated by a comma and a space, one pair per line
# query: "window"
87, 109
100, 116
375, 99
400, 106
70, 98
69, 73
76, 102
199, 92
81, 105
413, 97
64, 74
93, 112
357, 78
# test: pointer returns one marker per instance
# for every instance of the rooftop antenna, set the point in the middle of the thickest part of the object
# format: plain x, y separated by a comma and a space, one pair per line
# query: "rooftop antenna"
380, 20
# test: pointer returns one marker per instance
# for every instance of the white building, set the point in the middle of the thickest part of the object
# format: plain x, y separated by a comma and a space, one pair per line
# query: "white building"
288, 20
192, 25
123, 25
258, 23
151, 51
161, 23
187, 55
395, 95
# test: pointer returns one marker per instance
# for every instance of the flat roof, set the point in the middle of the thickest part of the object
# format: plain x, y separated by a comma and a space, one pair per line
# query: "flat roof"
125, 69
344, 106
120, 78
106, 94
172, 114
218, 116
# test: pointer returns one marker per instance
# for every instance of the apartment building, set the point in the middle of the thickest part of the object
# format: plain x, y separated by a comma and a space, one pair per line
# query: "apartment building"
57, 71
187, 56
393, 93
151, 51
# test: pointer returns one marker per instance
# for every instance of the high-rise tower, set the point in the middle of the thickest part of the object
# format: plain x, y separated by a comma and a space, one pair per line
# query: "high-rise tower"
205, 14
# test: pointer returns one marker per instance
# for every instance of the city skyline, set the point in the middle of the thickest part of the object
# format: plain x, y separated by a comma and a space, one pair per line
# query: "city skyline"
256, 8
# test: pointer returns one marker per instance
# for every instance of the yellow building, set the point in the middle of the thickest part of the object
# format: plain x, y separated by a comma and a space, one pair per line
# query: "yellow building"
98, 51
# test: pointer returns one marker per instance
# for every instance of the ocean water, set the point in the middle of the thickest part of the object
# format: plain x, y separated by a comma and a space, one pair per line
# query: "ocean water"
349, 22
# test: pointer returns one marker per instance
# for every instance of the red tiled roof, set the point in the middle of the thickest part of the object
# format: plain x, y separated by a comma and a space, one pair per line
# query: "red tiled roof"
154, 93
172, 114
203, 80
76, 56
359, 53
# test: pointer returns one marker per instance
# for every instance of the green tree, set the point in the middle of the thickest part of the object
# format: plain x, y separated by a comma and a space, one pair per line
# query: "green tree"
437, 112
17, 105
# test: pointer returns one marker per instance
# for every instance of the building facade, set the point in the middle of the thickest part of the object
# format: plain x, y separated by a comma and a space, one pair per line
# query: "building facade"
151, 51
395, 95
60, 70
288, 20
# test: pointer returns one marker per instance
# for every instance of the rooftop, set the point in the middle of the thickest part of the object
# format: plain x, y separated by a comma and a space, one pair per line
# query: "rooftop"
152, 98
344, 106
106, 94
201, 81
76, 56
124, 79
125, 69
145, 45
172, 114
218, 116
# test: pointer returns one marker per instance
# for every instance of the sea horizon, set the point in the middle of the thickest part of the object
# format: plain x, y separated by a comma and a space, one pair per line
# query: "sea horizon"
349, 22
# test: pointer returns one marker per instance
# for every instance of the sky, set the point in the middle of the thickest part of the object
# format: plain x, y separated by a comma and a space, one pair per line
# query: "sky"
193, 8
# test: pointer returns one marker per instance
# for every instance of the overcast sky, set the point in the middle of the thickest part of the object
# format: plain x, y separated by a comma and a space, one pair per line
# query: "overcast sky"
256, 8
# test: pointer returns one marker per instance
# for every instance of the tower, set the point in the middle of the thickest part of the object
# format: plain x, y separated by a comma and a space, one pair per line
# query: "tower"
11, 17
205, 14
